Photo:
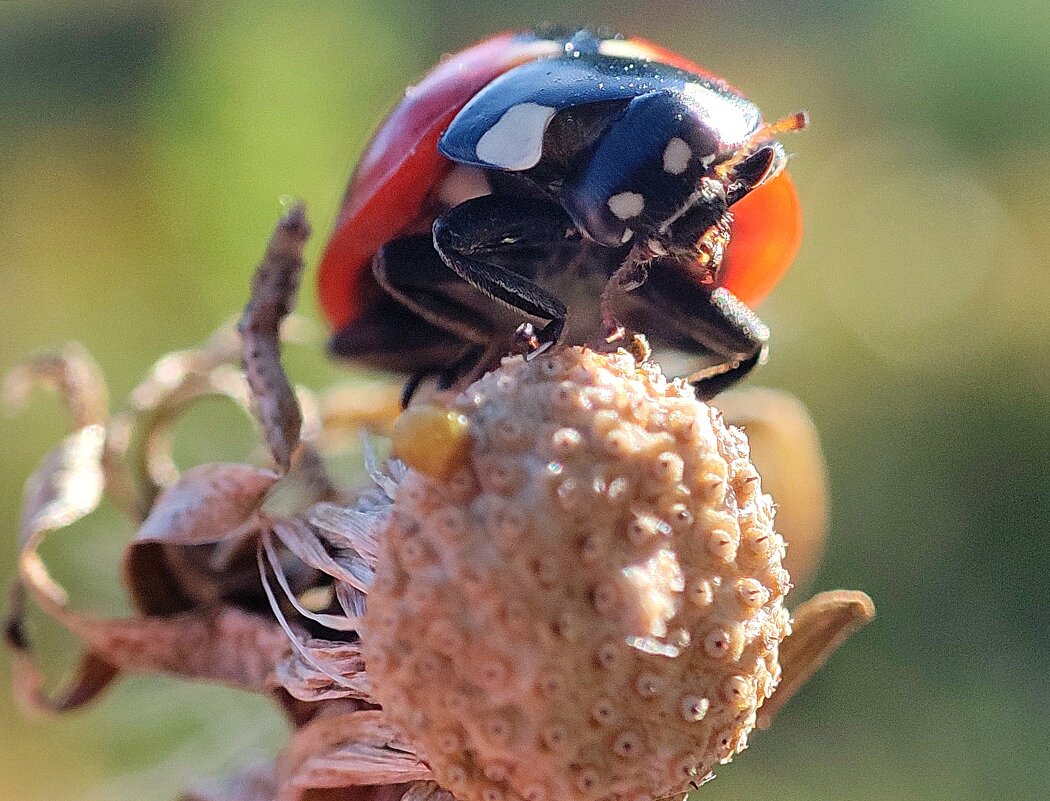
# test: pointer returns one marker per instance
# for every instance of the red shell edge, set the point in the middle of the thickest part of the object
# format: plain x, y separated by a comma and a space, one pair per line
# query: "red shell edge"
765, 236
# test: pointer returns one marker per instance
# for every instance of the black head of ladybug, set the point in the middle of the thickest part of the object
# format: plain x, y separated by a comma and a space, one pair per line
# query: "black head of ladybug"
562, 186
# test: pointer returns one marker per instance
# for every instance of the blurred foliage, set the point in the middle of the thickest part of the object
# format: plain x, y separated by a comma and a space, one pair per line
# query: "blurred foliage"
144, 148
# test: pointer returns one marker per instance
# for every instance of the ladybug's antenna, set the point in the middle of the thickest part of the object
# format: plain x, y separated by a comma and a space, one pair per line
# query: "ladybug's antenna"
794, 122
770, 130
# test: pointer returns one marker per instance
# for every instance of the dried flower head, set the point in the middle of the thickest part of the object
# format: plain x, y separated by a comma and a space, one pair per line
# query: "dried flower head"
575, 589
589, 603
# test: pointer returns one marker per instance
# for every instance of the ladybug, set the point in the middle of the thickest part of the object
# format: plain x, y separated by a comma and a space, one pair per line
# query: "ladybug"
535, 189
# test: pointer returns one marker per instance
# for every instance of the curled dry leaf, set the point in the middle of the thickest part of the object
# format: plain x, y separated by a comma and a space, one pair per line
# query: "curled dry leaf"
72, 373
176, 383
65, 487
223, 645
77, 379
274, 287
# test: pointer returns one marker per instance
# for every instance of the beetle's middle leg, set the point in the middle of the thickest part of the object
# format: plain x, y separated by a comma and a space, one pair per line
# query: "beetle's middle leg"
675, 311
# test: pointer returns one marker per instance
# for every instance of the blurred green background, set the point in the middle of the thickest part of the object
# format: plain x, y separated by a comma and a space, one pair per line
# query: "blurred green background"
144, 147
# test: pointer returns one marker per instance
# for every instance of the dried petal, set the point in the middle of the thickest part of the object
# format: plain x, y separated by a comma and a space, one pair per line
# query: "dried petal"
222, 645
301, 540
346, 749
347, 527
305, 682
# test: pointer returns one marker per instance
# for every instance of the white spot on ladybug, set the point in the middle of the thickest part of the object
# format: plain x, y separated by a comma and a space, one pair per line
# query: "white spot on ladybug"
515, 142
626, 205
627, 234
676, 156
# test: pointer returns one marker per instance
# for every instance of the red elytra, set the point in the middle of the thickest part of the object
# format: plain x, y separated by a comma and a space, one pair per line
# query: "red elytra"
401, 169
764, 238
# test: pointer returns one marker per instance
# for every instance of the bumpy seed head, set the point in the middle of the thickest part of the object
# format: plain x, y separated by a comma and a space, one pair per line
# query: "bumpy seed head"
588, 603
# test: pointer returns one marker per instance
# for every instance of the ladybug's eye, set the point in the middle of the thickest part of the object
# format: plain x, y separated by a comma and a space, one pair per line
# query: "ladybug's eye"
755, 170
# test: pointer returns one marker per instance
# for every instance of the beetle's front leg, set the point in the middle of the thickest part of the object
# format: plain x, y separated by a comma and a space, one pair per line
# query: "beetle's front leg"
472, 237
675, 310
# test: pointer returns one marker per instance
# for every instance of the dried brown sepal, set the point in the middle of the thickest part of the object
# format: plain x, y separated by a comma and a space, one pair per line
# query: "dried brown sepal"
274, 288
89, 679
222, 645
211, 504
819, 627
346, 749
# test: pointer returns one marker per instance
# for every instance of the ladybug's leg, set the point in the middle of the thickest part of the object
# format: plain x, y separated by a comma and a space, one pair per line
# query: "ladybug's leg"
423, 286
388, 335
412, 272
471, 235
674, 310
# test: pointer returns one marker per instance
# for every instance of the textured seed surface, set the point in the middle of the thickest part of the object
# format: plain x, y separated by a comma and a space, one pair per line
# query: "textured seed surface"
590, 606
